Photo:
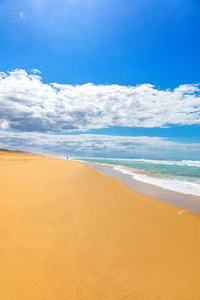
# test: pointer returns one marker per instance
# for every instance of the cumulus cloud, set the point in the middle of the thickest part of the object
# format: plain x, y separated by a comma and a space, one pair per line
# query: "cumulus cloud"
27, 104
98, 145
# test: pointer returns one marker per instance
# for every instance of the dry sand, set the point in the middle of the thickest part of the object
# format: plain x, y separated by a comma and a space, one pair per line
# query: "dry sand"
69, 232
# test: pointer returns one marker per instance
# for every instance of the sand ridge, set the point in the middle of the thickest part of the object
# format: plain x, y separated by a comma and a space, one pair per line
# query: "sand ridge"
69, 232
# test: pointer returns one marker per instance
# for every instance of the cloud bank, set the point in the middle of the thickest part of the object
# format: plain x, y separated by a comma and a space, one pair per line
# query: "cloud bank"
29, 105
98, 145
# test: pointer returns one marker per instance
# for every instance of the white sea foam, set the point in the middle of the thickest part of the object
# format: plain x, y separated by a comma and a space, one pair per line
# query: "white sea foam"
189, 163
170, 183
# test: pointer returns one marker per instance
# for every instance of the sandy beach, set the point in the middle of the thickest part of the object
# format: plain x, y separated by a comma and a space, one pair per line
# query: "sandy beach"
187, 202
69, 232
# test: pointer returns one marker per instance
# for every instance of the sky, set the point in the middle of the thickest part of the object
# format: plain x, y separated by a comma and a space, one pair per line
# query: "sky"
102, 78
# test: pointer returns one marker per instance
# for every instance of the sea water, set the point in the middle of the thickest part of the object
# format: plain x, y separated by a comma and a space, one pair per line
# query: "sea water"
176, 175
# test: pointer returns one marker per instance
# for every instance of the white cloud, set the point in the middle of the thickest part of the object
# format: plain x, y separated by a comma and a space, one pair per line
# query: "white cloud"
98, 145
36, 71
21, 15
27, 104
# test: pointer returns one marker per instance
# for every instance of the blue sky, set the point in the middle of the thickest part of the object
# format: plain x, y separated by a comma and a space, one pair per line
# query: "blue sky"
123, 72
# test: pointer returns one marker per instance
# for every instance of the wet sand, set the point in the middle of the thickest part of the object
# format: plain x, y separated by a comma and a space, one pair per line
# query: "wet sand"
185, 201
69, 232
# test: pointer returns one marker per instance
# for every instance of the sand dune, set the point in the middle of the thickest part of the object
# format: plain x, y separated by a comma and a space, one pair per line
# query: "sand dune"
69, 232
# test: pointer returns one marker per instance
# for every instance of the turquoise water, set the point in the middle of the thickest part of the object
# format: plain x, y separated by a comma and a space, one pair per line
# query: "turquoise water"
177, 175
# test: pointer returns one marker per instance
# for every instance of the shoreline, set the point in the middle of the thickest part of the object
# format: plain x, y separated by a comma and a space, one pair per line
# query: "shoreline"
186, 201
69, 232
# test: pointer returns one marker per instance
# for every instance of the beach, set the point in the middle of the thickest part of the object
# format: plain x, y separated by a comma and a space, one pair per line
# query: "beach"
70, 232
188, 202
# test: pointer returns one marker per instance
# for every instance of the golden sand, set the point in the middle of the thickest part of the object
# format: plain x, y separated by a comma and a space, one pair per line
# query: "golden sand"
69, 232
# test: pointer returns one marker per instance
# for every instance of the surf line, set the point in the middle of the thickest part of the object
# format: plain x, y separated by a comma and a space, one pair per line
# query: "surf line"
181, 212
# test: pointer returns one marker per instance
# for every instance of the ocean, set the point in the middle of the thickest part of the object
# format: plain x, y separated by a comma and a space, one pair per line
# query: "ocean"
176, 175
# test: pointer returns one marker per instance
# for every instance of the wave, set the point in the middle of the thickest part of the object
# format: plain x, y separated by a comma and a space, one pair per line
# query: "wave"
170, 183
189, 163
